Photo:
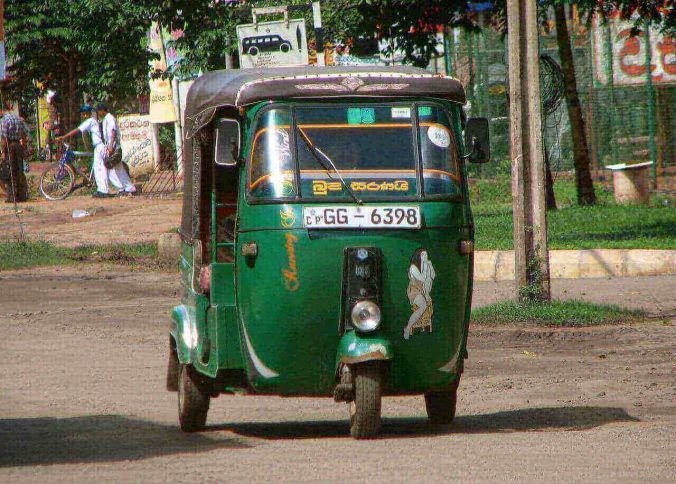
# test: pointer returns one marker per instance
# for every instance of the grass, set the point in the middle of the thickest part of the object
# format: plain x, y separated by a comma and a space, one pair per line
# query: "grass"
19, 255
555, 313
605, 225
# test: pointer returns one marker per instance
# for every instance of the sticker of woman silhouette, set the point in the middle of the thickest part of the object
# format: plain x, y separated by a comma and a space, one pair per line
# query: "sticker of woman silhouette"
420, 278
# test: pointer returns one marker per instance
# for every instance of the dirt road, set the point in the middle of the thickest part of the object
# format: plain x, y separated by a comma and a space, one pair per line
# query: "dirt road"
82, 398
112, 220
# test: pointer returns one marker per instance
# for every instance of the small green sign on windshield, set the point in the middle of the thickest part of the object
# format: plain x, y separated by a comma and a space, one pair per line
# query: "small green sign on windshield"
361, 115
425, 111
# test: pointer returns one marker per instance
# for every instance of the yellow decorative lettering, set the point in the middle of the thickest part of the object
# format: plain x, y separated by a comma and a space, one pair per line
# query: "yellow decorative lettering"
290, 274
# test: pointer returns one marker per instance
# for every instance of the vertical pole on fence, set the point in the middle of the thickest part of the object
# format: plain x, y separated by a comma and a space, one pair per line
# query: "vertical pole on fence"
447, 52
651, 103
610, 75
528, 175
178, 127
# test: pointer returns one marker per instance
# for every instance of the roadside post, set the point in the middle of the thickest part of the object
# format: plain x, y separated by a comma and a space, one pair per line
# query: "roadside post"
528, 176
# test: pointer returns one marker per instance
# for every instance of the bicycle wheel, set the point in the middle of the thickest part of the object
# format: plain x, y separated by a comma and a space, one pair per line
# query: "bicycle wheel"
57, 181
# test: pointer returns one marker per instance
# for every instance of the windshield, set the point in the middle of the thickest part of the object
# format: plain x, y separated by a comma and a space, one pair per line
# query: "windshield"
376, 149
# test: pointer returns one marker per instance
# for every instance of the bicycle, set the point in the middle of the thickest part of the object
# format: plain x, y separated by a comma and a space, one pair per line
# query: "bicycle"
58, 180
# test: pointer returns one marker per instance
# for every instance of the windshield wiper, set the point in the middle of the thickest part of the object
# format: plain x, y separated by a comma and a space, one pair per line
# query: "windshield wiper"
318, 155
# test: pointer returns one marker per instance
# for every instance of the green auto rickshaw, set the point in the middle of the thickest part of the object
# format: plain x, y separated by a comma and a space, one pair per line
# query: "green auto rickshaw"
327, 239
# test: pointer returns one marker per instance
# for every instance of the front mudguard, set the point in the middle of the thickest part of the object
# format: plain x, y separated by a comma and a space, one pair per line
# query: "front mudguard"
354, 348
184, 332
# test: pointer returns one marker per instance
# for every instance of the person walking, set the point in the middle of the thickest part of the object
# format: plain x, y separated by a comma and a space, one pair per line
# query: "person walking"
13, 132
111, 138
102, 174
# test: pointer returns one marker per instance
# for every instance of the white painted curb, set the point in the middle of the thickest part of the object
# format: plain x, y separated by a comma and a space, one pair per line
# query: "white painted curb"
498, 265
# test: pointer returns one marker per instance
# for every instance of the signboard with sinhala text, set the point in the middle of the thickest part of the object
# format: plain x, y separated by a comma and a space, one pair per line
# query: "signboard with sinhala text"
137, 146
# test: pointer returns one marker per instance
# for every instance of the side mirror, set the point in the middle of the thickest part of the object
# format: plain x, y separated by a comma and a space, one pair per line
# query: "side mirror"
477, 140
227, 142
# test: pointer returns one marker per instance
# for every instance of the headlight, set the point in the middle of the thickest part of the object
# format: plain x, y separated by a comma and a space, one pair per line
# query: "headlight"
366, 316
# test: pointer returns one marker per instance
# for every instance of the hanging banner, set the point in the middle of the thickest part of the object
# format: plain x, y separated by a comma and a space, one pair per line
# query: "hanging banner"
273, 44
43, 120
629, 54
161, 96
137, 146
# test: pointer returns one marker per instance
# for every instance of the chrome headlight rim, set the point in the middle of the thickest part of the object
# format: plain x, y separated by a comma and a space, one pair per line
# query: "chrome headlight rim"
369, 322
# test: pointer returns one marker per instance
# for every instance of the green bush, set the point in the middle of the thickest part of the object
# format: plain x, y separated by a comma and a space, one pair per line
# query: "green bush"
17, 255
554, 313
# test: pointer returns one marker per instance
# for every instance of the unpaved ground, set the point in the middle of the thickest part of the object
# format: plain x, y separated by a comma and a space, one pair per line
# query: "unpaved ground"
82, 397
113, 220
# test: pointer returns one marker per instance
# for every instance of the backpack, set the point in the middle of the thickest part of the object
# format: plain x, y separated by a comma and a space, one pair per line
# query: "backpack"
112, 160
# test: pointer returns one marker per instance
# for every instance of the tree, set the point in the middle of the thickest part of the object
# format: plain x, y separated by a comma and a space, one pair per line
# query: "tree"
89, 46
581, 158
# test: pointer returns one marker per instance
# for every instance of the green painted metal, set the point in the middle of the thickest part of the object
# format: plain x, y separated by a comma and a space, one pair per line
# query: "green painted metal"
652, 145
610, 75
214, 228
277, 315
448, 59
355, 347
181, 319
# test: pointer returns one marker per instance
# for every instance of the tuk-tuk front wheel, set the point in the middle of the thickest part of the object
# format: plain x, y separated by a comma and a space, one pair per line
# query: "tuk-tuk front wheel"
193, 404
441, 405
365, 408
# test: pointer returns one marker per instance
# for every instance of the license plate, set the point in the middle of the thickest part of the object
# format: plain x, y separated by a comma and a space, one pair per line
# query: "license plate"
354, 217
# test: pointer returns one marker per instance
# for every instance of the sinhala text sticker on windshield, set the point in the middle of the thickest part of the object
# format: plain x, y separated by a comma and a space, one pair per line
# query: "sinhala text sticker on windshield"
351, 217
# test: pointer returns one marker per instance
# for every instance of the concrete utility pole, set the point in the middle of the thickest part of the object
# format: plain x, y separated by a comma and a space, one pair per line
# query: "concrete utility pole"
528, 175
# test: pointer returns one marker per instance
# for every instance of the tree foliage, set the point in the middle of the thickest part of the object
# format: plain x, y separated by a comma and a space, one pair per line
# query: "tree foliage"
412, 27
209, 26
89, 46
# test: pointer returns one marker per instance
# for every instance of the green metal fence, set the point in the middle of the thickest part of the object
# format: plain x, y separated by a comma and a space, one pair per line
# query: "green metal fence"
628, 118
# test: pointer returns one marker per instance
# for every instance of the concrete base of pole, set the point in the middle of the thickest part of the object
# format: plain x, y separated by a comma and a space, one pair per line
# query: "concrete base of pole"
169, 248
631, 183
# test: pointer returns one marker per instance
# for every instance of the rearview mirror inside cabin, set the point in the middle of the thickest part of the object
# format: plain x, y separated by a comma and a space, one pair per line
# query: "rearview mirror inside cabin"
477, 140
227, 142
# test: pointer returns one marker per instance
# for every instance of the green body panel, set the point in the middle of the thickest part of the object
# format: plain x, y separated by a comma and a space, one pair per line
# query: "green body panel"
293, 323
182, 318
205, 328
278, 315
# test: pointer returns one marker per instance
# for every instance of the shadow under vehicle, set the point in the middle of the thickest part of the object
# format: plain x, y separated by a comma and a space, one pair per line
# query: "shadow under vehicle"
327, 239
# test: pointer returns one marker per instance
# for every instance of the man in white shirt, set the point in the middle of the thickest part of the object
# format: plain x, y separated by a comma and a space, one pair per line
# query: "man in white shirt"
111, 138
117, 175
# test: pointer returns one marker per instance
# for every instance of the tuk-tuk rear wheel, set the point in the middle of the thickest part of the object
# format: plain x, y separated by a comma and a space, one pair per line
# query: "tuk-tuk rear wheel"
441, 405
193, 404
365, 408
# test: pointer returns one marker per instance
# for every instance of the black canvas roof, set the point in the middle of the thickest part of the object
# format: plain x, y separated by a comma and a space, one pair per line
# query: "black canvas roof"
243, 87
